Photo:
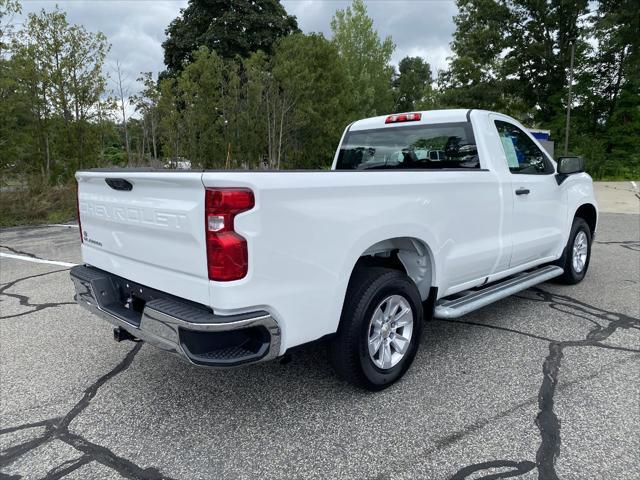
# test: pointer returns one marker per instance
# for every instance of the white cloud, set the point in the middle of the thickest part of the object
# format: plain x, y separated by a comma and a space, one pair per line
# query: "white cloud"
135, 29
417, 27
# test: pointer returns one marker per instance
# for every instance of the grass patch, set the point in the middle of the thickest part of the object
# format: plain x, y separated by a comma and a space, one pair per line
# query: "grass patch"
616, 178
37, 205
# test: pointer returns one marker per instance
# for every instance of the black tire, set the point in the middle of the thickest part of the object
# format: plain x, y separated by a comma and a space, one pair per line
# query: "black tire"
570, 275
348, 351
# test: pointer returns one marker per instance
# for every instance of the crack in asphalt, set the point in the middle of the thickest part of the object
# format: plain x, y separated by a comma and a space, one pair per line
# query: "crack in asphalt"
4, 476
58, 429
20, 252
547, 421
516, 469
478, 425
632, 245
496, 327
24, 300
67, 467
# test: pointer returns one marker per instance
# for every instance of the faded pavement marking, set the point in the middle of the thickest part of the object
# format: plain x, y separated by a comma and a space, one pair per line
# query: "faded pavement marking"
37, 260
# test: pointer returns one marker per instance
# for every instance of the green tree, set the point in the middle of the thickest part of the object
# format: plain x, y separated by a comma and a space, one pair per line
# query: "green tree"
16, 135
514, 55
245, 129
475, 77
539, 37
200, 89
228, 27
146, 104
412, 85
285, 110
366, 59
8, 10
607, 118
312, 79
13, 110
170, 120
60, 81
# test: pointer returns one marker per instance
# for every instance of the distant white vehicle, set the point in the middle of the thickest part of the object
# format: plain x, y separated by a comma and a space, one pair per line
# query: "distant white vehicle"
179, 164
227, 268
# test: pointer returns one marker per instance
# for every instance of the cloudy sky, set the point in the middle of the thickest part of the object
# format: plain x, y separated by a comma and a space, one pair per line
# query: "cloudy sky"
135, 28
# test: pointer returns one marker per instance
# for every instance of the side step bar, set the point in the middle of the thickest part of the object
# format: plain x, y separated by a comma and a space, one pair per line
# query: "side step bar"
474, 300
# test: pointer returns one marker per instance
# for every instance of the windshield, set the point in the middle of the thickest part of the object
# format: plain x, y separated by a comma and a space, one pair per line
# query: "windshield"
438, 146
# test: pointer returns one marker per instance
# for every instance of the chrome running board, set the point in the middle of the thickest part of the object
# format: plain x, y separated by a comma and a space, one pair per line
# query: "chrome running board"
474, 300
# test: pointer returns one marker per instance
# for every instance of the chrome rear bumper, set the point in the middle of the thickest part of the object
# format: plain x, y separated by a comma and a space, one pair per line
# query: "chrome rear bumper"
177, 326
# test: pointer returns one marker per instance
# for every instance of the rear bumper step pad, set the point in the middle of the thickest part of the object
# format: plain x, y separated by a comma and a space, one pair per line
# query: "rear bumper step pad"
178, 326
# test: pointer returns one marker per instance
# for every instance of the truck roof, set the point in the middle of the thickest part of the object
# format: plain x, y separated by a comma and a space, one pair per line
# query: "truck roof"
428, 117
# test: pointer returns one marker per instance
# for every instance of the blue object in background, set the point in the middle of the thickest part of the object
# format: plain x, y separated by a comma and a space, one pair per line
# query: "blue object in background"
540, 134
544, 137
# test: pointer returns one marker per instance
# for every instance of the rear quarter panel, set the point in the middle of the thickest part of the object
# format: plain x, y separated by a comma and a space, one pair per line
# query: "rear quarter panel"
308, 229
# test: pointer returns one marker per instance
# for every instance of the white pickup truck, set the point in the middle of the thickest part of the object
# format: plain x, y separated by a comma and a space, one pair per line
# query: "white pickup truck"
232, 267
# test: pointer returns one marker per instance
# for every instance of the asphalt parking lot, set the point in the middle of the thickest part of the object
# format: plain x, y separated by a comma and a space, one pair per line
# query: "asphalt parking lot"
543, 385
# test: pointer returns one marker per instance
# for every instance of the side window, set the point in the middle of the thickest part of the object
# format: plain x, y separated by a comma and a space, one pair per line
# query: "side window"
523, 156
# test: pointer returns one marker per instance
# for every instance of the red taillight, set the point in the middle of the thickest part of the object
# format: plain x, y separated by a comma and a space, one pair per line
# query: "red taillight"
227, 255
78, 210
403, 117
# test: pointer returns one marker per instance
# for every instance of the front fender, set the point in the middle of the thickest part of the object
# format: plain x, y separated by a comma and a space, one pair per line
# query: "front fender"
580, 192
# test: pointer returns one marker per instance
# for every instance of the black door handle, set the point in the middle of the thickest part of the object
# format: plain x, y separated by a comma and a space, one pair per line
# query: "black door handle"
523, 191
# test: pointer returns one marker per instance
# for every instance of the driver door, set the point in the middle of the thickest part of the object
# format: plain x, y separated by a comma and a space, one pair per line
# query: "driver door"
539, 204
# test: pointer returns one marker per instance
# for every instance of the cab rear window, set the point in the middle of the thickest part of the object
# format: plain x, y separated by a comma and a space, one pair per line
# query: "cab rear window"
415, 147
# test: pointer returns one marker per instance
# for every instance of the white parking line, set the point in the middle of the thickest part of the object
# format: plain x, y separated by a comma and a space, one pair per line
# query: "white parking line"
635, 185
37, 260
68, 225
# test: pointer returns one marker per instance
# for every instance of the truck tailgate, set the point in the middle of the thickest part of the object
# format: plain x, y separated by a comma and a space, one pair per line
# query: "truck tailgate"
147, 227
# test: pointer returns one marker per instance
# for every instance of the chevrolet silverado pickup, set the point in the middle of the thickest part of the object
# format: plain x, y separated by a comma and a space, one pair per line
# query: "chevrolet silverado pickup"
423, 214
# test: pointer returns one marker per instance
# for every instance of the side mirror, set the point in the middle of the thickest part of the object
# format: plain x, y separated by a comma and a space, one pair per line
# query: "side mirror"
569, 165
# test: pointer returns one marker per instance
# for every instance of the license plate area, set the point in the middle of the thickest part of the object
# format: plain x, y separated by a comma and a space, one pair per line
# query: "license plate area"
129, 300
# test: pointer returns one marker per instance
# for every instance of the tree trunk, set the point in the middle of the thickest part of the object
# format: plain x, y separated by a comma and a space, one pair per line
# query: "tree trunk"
280, 137
153, 139
616, 88
144, 138
46, 154
270, 143
124, 114
81, 142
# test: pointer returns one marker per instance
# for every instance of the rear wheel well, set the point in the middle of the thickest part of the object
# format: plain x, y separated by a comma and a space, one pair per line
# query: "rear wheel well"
385, 261
589, 214
408, 255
